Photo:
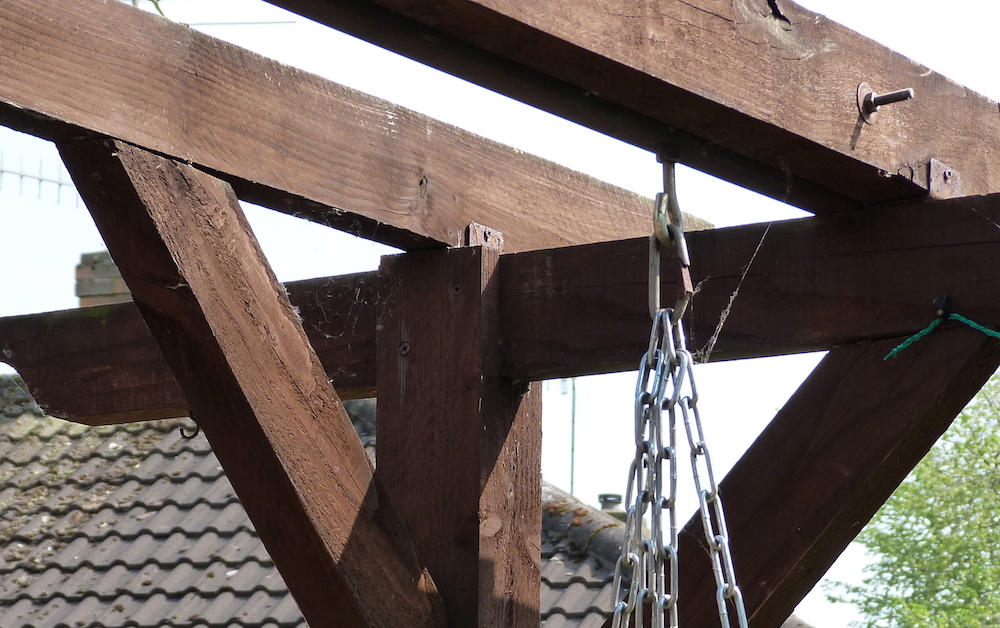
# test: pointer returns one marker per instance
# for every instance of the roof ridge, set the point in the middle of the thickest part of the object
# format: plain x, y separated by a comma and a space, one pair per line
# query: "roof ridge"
588, 530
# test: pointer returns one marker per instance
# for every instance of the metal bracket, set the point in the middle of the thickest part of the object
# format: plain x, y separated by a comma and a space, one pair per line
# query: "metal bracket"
942, 181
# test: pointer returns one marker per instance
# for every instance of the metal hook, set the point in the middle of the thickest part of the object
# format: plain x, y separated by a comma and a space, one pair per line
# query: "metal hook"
189, 435
668, 219
668, 230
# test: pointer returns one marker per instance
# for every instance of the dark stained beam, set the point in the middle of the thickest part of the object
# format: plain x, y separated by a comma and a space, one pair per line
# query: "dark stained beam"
758, 92
100, 365
255, 386
810, 284
459, 447
284, 138
826, 463
814, 284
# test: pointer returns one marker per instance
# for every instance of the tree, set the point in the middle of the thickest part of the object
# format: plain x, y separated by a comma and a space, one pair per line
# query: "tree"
937, 539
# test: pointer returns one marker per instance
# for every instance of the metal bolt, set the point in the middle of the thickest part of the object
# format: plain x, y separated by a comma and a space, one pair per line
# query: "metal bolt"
899, 95
456, 289
404, 348
869, 101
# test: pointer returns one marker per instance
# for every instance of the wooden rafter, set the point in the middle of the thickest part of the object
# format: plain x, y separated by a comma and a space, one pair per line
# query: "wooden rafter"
284, 138
813, 284
120, 375
758, 92
779, 116
255, 385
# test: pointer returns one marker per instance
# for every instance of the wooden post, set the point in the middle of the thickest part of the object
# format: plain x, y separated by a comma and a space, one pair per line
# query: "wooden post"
255, 386
459, 448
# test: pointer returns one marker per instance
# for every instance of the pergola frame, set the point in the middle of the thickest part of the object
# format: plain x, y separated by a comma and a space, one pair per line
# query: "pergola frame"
163, 127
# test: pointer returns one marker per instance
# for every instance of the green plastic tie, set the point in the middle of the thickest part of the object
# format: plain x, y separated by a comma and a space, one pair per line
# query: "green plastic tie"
937, 321
912, 339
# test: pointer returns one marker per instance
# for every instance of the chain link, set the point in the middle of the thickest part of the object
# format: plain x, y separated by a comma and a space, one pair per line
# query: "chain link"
647, 570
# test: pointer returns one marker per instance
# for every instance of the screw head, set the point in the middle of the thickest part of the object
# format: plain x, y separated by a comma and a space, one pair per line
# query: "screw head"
456, 289
404, 348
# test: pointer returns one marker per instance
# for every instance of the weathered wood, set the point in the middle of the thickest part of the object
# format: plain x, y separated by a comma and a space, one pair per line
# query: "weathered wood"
810, 284
827, 462
100, 365
284, 138
814, 284
758, 92
459, 448
258, 390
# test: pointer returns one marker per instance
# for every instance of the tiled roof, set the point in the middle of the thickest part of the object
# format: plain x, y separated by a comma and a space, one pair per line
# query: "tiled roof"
15, 399
133, 526
579, 548
127, 526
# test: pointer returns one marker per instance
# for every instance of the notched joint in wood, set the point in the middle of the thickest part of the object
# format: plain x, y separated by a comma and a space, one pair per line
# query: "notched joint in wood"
480, 235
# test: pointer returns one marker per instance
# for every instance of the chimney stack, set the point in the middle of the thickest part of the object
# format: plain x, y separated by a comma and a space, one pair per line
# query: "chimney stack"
98, 281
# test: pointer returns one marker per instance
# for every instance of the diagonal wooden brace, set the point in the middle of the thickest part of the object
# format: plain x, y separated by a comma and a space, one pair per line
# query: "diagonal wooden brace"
826, 463
255, 386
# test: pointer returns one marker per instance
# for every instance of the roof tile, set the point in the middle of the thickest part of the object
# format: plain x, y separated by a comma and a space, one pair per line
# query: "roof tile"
134, 526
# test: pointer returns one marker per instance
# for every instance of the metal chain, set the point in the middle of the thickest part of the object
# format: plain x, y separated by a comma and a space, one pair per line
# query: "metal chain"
647, 570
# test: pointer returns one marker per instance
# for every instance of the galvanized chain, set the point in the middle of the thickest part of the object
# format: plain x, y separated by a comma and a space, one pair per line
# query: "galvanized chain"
647, 570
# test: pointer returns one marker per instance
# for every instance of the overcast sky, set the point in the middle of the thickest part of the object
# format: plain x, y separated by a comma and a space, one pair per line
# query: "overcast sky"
46, 229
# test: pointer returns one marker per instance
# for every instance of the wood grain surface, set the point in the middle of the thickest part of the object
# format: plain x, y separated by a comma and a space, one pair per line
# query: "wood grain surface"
255, 386
802, 285
459, 447
760, 92
287, 139
827, 463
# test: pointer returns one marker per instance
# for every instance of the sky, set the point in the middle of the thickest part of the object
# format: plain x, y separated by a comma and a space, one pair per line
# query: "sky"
46, 228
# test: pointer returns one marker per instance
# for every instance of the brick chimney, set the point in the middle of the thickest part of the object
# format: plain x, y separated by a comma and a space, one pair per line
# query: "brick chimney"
98, 281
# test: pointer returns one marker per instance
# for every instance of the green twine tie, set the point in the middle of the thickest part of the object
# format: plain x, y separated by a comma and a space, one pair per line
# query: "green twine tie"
937, 321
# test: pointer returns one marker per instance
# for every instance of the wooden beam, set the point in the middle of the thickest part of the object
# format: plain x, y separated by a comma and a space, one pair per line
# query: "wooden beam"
459, 448
284, 138
258, 390
813, 284
827, 462
758, 92
810, 284
119, 374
